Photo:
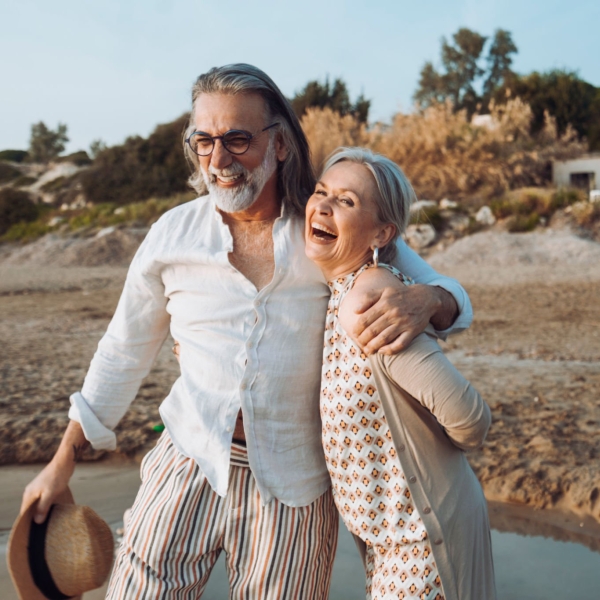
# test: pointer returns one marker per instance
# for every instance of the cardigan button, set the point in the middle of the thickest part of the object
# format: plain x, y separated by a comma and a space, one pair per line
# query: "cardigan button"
412, 479
401, 448
427, 510
438, 542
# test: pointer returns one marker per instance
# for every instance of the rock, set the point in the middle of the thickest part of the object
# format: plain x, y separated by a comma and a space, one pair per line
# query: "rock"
446, 204
459, 223
420, 205
105, 231
485, 216
120, 210
420, 236
54, 221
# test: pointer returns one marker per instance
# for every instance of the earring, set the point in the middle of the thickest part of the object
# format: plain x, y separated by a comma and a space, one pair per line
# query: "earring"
375, 256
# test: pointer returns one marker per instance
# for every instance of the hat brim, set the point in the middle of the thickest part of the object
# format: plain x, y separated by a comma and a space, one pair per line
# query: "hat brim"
17, 554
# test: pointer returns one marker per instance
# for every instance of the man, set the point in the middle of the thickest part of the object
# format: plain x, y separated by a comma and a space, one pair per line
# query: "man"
240, 466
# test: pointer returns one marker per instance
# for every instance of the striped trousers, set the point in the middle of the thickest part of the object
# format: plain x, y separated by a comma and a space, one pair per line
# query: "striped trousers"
178, 527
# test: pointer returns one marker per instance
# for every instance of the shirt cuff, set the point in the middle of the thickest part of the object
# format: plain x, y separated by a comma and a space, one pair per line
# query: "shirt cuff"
465, 310
99, 436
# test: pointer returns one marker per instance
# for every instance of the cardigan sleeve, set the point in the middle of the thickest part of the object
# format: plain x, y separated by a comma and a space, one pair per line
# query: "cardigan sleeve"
424, 372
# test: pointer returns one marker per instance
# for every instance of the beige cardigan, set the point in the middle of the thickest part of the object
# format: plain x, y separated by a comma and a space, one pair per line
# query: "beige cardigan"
434, 414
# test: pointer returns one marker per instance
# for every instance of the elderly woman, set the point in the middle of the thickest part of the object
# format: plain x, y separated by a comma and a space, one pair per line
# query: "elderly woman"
395, 428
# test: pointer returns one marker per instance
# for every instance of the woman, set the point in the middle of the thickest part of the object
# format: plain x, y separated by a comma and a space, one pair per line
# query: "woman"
394, 427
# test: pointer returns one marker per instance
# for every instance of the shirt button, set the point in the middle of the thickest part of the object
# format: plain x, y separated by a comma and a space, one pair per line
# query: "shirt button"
244, 386
438, 542
257, 303
412, 479
401, 448
427, 510
228, 429
249, 344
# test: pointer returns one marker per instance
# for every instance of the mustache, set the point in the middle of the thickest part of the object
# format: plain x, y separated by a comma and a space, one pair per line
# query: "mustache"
230, 171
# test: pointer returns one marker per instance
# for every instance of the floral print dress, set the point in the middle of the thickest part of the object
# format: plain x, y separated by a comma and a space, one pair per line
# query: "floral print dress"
369, 487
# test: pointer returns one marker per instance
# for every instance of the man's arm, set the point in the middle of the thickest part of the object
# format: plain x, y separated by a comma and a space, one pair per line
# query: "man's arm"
392, 314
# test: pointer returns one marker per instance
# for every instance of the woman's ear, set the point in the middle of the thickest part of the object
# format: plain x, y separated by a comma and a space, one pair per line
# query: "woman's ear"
385, 235
281, 149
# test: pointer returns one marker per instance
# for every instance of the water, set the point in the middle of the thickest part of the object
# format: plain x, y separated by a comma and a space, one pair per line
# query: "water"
528, 567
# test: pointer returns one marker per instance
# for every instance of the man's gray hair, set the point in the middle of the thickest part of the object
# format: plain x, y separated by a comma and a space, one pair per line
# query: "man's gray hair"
395, 196
295, 176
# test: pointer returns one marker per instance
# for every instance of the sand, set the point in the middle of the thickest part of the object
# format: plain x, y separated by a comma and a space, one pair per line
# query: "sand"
533, 352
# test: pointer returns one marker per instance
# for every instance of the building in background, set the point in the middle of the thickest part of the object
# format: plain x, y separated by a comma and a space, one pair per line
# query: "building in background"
582, 173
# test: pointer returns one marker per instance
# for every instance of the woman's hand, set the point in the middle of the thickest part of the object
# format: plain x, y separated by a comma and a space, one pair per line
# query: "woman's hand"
55, 477
384, 315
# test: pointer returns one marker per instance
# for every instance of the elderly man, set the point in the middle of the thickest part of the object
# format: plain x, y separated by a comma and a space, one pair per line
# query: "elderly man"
240, 465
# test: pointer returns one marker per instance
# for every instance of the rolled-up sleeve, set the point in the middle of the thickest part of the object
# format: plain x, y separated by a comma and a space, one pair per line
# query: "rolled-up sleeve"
424, 372
411, 264
125, 353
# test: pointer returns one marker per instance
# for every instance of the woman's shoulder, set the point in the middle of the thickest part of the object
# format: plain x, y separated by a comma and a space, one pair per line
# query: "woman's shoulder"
366, 286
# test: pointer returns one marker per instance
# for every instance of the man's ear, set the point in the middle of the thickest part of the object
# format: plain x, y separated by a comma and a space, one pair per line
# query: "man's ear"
281, 149
385, 235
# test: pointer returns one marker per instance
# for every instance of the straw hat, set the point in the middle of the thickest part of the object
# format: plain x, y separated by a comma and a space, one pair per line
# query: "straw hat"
71, 553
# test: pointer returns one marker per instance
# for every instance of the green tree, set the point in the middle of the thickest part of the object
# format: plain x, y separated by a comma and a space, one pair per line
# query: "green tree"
462, 73
499, 62
96, 146
335, 96
46, 144
563, 95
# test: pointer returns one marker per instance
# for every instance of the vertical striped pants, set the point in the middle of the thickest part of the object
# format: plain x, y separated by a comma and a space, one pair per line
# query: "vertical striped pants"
178, 527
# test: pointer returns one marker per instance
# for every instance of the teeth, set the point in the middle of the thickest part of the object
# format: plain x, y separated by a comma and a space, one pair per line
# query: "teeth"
323, 228
229, 179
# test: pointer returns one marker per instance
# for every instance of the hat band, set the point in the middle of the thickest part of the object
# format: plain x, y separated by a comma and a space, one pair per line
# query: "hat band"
40, 571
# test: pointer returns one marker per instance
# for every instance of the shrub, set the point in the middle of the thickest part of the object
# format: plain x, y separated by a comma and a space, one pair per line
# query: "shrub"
17, 156
140, 168
566, 196
430, 215
25, 232
23, 181
46, 144
8, 173
80, 158
521, 223
586, 213
444, 155
15, 206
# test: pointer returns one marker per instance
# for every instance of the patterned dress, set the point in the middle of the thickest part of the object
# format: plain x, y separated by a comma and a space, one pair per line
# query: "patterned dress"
369, 487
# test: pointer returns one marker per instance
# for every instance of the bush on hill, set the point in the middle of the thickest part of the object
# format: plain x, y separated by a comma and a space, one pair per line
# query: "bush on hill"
140, 168
79, 158
8, 173
15, 206
17, 156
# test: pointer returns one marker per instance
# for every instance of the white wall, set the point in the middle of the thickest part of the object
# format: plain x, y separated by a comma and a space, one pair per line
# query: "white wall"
561, 170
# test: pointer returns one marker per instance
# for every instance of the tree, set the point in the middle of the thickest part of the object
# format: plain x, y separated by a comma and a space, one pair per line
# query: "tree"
462, 73
336, 96
45, 144
499, 61
96, 146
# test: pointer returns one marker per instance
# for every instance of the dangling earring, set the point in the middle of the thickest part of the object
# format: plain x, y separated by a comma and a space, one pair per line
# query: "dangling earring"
375, 256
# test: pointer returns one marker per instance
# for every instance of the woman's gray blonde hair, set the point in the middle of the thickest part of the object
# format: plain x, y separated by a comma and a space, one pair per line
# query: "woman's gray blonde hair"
396, 194
296, 180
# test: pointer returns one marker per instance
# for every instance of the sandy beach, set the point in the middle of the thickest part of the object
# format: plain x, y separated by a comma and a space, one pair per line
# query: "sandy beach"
533, 352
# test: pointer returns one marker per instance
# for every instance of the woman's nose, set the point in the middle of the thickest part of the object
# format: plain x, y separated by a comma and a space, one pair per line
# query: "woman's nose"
324, 206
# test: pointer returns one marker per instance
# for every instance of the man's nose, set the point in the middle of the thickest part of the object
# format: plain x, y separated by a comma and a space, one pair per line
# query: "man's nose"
220, 157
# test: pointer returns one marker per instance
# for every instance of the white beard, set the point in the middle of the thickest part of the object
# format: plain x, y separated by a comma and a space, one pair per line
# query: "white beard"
243, 196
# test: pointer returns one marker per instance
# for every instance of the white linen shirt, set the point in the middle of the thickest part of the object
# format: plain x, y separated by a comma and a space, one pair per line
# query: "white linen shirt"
239, 348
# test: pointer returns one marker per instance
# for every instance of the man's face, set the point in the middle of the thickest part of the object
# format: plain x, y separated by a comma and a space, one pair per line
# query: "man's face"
236, 181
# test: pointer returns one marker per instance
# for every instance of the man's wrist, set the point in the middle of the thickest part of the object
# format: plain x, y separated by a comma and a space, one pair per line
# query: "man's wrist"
445, 309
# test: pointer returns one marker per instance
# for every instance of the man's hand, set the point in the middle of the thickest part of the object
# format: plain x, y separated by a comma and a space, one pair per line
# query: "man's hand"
388, 315
54, 478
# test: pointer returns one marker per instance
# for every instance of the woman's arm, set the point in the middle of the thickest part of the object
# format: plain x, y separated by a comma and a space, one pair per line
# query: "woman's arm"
427, 375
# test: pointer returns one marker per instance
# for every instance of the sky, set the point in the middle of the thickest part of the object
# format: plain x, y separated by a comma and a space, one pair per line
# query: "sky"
116, 68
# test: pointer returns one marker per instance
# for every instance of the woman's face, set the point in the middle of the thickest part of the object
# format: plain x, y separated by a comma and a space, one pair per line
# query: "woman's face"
342, 223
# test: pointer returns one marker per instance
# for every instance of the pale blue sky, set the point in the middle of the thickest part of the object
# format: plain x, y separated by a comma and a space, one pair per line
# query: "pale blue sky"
115, 68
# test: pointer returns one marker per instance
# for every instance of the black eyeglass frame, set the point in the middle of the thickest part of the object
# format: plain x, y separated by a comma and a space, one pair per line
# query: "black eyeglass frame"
249, 137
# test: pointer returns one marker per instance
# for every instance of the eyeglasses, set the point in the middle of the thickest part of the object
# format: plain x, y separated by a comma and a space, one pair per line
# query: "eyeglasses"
236, 141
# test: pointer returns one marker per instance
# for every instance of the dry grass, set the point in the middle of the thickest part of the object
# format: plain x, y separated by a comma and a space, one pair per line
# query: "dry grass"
444, 155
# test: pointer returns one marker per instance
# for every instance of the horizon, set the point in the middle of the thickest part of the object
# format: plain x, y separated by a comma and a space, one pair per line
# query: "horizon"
135, 64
